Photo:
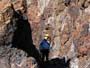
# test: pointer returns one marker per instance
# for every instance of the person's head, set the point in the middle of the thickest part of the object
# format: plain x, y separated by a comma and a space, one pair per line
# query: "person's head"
45, 38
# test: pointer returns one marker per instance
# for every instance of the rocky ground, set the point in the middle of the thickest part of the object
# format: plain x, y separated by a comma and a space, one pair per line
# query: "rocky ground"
68, 22
15, 58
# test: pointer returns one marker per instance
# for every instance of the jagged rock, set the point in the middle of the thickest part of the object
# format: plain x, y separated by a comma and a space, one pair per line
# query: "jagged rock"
66, 22
85, 29
73, 11
4, 62
14, 58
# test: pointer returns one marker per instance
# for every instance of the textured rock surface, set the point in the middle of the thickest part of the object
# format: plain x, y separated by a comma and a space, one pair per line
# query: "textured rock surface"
69, 21
14, 58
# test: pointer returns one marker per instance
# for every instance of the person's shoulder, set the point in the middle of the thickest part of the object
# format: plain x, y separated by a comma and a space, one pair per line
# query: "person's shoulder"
42, 41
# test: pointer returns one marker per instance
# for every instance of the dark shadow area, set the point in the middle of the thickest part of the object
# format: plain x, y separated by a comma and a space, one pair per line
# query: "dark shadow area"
67, 2
22, 38
57, 63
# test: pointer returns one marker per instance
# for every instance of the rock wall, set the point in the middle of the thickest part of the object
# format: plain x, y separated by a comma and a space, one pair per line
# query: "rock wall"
69, 21
15, 58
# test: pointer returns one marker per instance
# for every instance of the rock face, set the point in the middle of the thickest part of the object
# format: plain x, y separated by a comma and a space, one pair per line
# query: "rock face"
14, 58
68, 21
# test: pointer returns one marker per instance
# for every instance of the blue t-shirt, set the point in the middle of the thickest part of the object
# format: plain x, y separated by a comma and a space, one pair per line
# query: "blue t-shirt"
44, 45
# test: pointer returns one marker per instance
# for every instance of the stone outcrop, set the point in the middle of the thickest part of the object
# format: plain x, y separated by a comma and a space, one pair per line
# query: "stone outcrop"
14, 58
69, 21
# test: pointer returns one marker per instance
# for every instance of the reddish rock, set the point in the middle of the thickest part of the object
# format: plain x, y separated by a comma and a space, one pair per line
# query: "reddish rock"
70, 22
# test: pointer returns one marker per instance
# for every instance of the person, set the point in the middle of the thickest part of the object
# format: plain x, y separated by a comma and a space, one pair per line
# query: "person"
45, 49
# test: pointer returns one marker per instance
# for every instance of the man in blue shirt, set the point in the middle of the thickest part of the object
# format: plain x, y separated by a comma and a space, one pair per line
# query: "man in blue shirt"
45, 48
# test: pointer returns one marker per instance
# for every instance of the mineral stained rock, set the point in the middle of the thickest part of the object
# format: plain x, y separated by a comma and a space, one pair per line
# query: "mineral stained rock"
69, 21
